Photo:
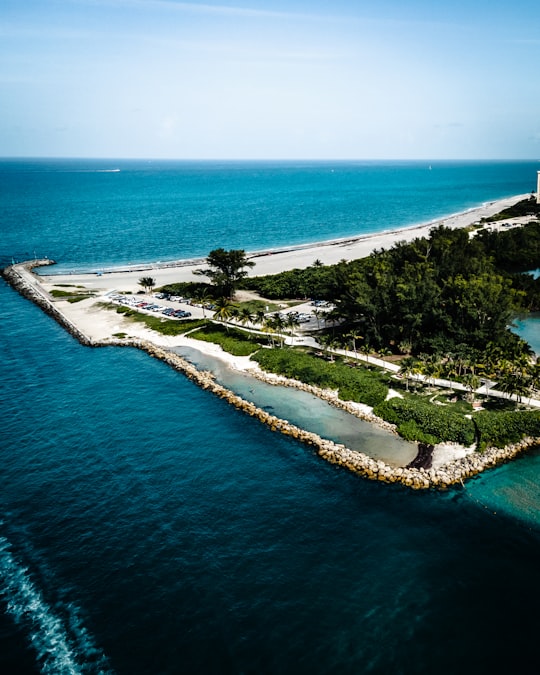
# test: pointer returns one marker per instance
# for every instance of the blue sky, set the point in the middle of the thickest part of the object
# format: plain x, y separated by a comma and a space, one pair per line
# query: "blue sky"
270, 79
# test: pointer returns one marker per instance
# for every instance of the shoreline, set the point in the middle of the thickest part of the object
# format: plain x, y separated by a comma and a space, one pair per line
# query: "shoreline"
442, 476
274, 260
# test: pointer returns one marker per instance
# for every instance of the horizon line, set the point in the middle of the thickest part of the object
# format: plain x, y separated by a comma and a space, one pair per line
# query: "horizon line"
269, 159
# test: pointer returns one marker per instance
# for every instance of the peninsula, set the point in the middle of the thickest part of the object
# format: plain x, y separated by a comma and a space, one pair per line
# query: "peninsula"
82, 303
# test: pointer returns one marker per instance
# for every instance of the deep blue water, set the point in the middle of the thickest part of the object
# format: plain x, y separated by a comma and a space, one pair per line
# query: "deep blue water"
148, 528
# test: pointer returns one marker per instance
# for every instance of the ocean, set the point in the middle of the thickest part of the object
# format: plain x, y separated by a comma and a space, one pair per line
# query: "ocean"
148, 528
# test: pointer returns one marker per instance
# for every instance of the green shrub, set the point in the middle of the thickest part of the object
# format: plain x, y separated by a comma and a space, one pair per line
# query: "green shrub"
229, 343
433, 422
232, 340
497, 429
359, 384
410, 431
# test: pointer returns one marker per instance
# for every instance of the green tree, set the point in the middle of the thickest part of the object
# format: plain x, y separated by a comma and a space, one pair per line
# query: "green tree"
408, 368
225, 270
245, 316
147, 283
471, 382
224, 310
292, 322
202, 296
260, 316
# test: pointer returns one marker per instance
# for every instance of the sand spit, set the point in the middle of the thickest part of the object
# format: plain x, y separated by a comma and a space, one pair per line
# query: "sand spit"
22, 279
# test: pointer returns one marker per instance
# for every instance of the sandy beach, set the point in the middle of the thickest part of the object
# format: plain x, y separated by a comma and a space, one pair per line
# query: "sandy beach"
272, 262
100, 326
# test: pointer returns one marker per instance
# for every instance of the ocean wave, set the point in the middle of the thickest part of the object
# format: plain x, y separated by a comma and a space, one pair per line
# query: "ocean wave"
58, 636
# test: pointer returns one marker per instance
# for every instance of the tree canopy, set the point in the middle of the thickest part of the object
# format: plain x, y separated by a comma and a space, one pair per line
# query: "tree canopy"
225, 270
432, 294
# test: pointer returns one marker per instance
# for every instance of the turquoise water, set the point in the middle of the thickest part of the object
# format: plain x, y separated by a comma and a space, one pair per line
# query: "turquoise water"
148, 527
84, 215
528, 328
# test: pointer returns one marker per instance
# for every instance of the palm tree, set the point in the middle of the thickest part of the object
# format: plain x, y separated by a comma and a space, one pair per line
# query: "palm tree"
147, 283
354, 337
245, 316
324, 340
202, 296
268, 326
259, 316
430, 366
471, 382
408, 368
405, 347
224, 310
292, 323
329, 343
318, 314
278, 325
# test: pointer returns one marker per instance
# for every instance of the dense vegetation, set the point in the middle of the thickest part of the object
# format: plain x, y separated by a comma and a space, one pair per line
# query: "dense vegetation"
353, 384
525, 209
225, 269
443, 303
431, 295
502, 428
422, 421
236, 342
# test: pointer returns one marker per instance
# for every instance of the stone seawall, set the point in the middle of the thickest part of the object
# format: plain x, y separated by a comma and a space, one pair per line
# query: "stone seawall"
35, 293
453, 473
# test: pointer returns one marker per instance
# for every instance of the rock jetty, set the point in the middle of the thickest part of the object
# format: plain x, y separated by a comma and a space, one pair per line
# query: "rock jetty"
453, 473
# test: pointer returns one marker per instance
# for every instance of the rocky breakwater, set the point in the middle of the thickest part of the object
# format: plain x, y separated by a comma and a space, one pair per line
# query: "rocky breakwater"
21, 278
455, 472
357, 462
363, 412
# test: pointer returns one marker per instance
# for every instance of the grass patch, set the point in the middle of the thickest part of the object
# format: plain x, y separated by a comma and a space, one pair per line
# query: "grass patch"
69, 286
353, 384
255, 306
233, 341
72, 296
69, 294
158, 323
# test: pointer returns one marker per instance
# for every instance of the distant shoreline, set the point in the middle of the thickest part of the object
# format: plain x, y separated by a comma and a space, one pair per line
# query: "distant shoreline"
279, 259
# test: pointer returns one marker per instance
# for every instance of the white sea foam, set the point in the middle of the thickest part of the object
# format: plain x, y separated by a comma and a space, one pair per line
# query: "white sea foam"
63, 645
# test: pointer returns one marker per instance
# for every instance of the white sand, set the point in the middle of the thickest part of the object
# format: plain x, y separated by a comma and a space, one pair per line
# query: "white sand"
273, 262
98, 324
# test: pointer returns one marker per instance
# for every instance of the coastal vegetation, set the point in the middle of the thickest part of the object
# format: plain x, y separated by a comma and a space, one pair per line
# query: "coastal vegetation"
362, 385
418, 420
434, 295
233, 341
225, 269
73, 295
147, 283
441, 306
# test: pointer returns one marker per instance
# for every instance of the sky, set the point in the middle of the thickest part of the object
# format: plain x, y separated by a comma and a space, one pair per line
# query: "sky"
262, 79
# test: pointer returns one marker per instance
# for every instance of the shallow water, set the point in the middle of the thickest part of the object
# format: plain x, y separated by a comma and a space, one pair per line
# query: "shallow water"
309, 412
